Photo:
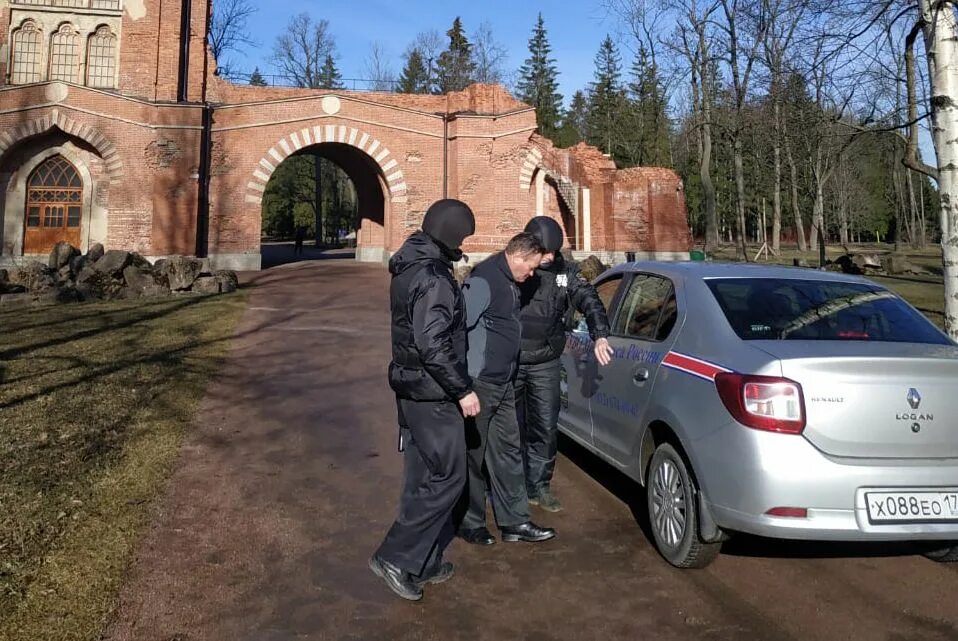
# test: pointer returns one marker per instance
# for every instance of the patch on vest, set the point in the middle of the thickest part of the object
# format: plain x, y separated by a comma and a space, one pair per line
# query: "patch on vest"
562, 280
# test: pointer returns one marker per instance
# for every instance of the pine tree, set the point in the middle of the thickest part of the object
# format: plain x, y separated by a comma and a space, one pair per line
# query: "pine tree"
538, 83
648, 132
256, 78
329, 76
415, 76
606, 100
455, 68
574, 122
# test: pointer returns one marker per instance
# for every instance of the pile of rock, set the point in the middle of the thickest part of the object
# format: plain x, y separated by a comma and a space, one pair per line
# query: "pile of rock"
108, 275
893, 264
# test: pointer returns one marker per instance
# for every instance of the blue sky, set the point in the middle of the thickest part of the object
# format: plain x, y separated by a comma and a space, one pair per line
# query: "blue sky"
575, 30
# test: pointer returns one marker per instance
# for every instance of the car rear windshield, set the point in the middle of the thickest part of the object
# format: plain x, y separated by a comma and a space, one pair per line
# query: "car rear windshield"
787, 309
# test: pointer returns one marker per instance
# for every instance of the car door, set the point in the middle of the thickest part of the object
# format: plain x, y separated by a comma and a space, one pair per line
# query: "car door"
641, 332
579, 371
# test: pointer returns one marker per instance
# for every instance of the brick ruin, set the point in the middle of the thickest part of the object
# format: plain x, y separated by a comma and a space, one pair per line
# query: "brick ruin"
171, 159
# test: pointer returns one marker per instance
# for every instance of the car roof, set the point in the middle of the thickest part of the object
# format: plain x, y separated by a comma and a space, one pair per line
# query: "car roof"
703, 270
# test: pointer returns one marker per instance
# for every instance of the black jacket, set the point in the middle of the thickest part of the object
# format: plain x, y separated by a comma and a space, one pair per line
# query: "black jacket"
428, 325
546, 300
492, 321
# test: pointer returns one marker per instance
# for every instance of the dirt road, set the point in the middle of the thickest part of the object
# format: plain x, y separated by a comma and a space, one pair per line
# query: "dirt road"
291, 478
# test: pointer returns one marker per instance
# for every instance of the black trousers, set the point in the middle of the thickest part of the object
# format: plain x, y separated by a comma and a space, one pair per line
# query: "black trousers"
537, 403
493, 455
434, 477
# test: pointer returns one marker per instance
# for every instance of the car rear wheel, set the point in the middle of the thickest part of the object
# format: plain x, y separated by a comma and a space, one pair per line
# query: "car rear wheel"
673, 512
945, 554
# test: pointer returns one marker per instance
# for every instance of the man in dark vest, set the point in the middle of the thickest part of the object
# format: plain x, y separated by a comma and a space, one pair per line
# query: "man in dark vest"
492, 321
433, 393
546, 300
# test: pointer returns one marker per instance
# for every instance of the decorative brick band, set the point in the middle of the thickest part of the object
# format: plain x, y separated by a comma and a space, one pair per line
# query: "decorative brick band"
296, 140
529, 165
92, 135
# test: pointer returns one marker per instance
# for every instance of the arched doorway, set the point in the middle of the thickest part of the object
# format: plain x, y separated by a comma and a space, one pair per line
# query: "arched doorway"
548, 199
333, 196
54, 206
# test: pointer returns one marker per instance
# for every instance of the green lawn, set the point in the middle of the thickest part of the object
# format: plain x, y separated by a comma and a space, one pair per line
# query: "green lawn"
94, 401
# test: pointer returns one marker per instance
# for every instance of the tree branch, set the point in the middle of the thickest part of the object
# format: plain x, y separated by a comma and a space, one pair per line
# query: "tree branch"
911, 159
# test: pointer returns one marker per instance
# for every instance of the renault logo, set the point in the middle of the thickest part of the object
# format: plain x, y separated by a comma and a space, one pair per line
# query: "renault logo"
914, 398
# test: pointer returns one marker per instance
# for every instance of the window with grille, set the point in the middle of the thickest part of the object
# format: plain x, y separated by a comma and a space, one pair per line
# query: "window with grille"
27, 54
101, 59
65, 54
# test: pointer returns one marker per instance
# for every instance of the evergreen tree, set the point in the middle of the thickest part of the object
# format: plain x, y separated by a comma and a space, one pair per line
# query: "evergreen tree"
647, 137
415, 76
607, 101
329, 76
538, 82
256, 78
455, 68
574, 122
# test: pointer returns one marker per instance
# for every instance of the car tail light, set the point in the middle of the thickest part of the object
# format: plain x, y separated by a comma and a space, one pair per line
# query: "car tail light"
763, 402
791, 512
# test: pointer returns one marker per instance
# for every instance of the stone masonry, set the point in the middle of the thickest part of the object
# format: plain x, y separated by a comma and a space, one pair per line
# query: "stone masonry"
175, 160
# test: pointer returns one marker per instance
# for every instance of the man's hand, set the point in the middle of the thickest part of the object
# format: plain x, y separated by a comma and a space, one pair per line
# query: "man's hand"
603, 351
469, 404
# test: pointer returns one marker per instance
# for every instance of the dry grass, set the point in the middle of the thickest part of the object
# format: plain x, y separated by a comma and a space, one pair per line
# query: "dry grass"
94, 400
924, 292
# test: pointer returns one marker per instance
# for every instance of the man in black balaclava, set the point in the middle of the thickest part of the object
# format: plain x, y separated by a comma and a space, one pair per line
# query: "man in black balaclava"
545, 301
433, 393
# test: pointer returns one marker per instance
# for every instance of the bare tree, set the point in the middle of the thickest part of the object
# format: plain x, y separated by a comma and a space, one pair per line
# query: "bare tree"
693, 42
228, 29
784, 17
488, 55
379, 69
301, 51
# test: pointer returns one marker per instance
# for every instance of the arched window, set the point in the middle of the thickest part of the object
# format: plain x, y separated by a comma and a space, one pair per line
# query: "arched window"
101, 59
54, 206
65, 54
27, 54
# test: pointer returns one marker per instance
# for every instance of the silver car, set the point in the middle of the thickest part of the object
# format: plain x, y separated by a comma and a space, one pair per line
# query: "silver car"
787, 403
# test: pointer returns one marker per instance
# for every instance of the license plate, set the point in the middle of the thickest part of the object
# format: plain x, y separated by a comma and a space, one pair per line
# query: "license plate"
912, 507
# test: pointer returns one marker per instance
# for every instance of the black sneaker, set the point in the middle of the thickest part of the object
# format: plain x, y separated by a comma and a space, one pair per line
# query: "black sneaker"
398, 580
547, 501
442, 574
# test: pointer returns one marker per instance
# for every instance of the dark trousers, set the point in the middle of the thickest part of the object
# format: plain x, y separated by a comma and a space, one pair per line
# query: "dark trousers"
492, 438
435, 473
537, 404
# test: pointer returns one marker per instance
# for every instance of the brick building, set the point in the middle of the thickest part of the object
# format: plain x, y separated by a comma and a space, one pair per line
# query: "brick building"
114, 129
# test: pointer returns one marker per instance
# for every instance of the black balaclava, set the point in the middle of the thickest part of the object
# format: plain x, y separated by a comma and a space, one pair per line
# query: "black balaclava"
449, 222
547, 232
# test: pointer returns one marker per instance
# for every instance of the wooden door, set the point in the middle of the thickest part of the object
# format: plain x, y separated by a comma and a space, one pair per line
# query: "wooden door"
54, 206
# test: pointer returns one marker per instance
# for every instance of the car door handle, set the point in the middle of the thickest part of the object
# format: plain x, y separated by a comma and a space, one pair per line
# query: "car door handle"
640, 375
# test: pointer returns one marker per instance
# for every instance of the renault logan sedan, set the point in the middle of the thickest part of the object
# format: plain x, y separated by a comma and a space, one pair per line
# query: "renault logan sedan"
781, 402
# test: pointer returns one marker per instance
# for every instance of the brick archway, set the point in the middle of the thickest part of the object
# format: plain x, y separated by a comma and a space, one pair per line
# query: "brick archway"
308, 136
91, 135
532, 162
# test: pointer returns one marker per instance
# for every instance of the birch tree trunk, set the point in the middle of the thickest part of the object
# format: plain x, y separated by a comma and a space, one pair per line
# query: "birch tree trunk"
940, 31
777, 191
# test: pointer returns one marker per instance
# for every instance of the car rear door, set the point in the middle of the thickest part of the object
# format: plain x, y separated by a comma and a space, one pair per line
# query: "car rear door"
579, 372
641, 333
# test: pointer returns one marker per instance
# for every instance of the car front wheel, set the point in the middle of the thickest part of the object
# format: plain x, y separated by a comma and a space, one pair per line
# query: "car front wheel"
673, 512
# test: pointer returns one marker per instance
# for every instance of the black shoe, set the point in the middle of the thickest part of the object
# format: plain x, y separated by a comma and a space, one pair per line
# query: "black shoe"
398, 580
443, 573
528, 531
476, 536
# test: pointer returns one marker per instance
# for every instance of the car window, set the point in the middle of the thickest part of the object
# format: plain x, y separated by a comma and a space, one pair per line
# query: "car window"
606, 291
670, 312
795, 309
642, 306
